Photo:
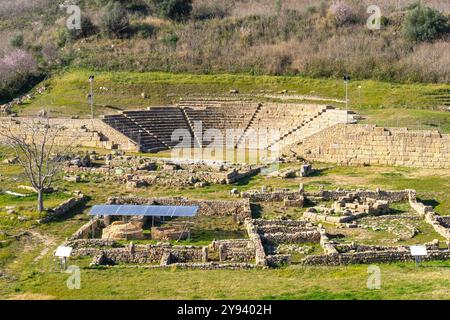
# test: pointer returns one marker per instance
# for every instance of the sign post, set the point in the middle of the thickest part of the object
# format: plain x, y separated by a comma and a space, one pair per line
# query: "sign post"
63, 253
91, 99
418, 252
346, 81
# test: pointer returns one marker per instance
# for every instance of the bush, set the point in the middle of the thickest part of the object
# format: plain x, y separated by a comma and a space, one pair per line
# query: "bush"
115, 19
87, 29
16, 69
17, 40
173, 9
170, 40
424, 24
209, 9
341, 13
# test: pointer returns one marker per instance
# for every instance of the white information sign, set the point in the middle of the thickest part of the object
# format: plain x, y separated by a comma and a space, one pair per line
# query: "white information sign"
418, 251
63, 252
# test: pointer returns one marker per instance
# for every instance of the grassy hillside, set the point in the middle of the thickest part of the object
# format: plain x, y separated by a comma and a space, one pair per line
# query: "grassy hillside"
282, 37
413, 105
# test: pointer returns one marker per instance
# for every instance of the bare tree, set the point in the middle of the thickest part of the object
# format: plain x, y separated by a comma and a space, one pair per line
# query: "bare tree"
40, 147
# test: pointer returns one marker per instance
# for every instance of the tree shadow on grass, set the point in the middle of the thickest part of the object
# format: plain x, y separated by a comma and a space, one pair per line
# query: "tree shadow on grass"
433, 203
244, 181
256, 210
77, 210
318, 172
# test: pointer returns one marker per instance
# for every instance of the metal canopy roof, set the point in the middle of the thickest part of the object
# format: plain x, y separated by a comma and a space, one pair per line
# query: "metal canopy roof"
143, 210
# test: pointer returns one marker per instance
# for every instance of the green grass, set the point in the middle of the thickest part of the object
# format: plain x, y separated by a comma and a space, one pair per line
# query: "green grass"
382, 103
398, 281
41, 279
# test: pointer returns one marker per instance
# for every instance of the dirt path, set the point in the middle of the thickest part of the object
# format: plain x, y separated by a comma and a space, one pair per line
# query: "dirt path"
32, 238
47, 241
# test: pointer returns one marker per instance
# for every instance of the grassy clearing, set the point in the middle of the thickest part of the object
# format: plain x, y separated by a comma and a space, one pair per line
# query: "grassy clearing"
382, 103
400, 281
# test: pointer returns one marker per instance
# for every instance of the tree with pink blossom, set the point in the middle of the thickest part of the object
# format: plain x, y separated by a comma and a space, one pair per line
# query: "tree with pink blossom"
16, 68
341, 13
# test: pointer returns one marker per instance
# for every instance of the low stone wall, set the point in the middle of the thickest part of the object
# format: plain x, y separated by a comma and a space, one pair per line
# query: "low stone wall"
438, 224
148, 254
235, 176
325, 243
419, 207
92, 243
190, 266
273, 196
445, 221
239, 250
370, 257
260, 254
240, 209
316, 217
286, 223
62, 209
286, 231
390, 196
297, 237
277, 260
89, 230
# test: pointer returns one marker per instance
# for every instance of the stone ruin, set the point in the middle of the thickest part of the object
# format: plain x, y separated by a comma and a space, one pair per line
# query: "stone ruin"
137, 171
348, 208
120, 230
291, 198
270, 243
275, 232
170, 233
304, 170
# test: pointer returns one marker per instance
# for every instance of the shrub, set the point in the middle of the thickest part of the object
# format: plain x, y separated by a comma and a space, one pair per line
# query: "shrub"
87, 29
311, 9
341, 13
16, 69
17, 40
424, 24
209, 9
170, 40
115, 20
173, 9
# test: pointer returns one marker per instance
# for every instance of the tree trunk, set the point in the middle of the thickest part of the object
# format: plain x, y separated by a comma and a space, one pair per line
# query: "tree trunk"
40, 207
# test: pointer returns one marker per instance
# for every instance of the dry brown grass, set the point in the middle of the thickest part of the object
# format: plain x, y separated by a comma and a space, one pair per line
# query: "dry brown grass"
242, 8
32, 296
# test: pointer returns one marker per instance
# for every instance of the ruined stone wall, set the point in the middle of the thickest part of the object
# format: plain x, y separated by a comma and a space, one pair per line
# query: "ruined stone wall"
260, 254
143, 254
240, 209
288, 231
277, 195
81, 132
390, 196
63, 208
367, 144
317, 217
370, 257
235, 250
89, 230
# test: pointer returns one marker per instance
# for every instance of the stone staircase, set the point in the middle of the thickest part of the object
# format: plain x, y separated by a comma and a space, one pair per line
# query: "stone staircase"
322, 120
250, 123
197, 142
134, 132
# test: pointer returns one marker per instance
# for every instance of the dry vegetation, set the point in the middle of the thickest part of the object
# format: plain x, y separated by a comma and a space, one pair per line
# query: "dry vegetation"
256, 37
